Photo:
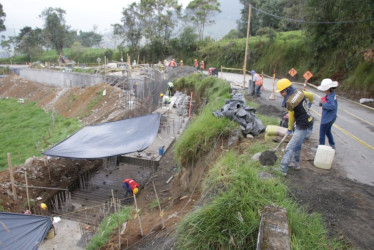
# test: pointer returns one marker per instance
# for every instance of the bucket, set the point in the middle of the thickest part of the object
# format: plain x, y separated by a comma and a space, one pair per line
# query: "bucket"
272, 130
161, 151
324, 157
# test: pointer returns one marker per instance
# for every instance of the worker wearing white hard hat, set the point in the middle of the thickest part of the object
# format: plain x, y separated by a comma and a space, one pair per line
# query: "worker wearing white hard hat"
329, 104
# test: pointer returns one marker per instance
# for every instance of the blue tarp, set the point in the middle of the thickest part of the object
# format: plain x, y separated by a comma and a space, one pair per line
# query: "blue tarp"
22, 231
109, 139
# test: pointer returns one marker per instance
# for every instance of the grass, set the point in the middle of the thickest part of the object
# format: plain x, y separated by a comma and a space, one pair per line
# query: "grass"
231, 219
26, 131
153, 204
204, 130
107, 227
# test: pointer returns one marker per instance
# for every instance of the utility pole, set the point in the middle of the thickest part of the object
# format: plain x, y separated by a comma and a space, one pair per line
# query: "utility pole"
246, 44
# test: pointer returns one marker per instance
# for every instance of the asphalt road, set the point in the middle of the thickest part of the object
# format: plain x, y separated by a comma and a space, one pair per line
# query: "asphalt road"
353, 130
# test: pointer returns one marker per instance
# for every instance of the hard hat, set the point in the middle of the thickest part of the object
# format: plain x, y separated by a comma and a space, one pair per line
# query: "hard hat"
253, 72
43, 206
181, 60
195, 60
161, 95
283, 84
327, 84
135, 191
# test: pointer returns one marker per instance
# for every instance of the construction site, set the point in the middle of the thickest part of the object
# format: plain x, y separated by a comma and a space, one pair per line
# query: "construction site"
83, 192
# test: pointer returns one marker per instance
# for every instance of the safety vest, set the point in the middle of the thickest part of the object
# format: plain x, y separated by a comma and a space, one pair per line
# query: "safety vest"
181, 63
196, 64
133, 184
259, 80
202, 65
172, 64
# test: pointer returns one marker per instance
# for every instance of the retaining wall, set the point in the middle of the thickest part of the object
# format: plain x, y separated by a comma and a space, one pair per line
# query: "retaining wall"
61, 79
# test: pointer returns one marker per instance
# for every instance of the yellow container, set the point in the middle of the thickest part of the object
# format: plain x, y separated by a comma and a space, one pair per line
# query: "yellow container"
324, 157
272, 130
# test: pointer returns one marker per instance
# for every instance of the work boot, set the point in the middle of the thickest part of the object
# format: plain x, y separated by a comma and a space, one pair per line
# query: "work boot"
294, 165
280, 170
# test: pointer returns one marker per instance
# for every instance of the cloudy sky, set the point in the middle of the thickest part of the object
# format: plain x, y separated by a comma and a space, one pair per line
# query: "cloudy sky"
80, 14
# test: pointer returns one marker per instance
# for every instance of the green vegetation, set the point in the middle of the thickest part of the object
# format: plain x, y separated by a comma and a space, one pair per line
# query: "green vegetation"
231, 219
27, 130
233, 191
107, 227
204, 130
153, 204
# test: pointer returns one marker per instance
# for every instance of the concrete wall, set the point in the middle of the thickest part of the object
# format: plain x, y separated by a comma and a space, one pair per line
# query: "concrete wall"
61, 79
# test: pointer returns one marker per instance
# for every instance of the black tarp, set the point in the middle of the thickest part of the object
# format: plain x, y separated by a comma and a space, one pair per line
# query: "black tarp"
22, 231
236, 109
109, 139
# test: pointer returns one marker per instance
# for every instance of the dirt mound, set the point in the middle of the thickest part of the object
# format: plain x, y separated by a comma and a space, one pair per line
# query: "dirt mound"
268, 158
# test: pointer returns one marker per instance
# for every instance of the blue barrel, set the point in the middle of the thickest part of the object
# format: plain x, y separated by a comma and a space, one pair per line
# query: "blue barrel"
161, 150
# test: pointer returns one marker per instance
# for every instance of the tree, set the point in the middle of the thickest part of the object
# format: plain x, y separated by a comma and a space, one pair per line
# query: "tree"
131, 29
55, 29
199, 12
2, 18
159, 18
29, 41
89, 39
188, 39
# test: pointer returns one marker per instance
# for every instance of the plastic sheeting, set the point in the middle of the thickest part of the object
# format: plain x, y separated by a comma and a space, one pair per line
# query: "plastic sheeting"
109, 139
236, 109
22, 231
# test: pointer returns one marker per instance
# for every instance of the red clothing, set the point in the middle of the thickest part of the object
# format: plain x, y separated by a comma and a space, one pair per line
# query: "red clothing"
202, 65
196, 64
133, 184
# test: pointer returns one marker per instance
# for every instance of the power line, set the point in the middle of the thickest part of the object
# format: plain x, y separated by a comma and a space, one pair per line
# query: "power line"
312, 22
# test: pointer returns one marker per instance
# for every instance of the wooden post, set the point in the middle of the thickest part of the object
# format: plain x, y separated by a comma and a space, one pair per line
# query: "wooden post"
246, 44
221, 72
272, 97
159, 206
12, 177
27, 191
104, 65
137, 215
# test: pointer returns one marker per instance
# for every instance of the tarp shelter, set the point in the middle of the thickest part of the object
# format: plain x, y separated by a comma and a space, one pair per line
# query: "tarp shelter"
23, 231
109, 139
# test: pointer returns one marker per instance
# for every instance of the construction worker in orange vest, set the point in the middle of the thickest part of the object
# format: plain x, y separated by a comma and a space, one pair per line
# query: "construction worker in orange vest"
181, 63
196, 64
202, 66
258, 82
131, 187
172, 63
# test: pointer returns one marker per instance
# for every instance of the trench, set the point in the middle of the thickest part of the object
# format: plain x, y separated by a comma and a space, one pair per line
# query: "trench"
89, 198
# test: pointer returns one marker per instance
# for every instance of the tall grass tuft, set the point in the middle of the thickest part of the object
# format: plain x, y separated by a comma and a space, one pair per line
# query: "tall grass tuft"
27, 130
230, 218
204, 130
107, 227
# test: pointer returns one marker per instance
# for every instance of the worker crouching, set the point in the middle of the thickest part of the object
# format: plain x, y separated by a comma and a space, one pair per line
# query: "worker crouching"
298, 111
131, 187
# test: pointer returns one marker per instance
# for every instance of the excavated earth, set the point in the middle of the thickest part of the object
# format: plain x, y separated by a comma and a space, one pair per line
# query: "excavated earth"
347, 207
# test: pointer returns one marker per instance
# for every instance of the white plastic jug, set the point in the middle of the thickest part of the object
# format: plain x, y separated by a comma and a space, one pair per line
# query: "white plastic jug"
324, 157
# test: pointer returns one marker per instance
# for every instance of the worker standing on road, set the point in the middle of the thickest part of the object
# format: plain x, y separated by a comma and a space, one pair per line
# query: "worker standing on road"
257, 79
131, 187
181, 63
196, 64
202, 66
329, 105
298, 110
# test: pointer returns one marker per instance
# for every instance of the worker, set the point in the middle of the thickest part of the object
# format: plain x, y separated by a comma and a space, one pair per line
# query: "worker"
170, 88
165, 99
181, 63
298, 110
202, 66
257, 80
172, 63
131, 187
196, 64
329, 106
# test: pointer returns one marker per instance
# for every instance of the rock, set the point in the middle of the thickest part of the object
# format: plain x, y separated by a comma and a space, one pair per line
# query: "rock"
249, 136
256, 157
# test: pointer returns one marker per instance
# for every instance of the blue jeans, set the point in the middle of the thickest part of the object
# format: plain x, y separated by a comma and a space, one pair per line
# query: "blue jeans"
293, 148
325, 130
258, 90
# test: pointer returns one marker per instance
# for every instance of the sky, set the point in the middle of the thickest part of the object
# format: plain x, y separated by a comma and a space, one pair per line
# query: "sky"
80, 14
